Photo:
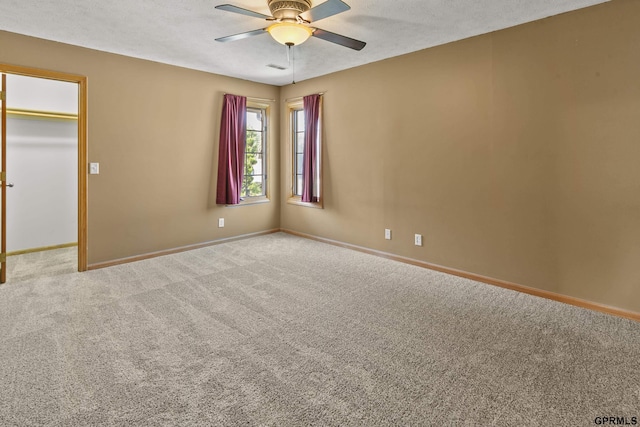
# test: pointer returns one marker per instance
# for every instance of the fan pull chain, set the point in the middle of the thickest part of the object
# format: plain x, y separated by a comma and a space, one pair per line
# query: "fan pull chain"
292, 62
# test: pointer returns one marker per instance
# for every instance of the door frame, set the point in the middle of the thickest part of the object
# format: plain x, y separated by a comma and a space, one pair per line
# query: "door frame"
82, 144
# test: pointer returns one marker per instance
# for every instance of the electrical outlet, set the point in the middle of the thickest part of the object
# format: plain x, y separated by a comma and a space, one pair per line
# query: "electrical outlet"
220, 222
418, 239
387, 234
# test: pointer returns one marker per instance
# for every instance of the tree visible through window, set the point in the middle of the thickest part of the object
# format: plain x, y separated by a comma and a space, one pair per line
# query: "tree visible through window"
255, 174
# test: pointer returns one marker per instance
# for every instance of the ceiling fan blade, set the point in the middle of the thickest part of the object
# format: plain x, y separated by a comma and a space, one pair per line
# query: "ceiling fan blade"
338, 39
241, 11
241, 35
325, 10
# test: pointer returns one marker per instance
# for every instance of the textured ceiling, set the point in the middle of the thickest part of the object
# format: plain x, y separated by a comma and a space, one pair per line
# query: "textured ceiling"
182, 32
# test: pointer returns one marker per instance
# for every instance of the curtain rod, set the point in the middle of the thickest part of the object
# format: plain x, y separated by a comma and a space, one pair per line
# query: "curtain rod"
273, 100
256, 99
300, 97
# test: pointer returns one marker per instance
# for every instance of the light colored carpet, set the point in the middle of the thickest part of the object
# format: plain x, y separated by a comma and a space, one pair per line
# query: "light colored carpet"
41, 264
279, 330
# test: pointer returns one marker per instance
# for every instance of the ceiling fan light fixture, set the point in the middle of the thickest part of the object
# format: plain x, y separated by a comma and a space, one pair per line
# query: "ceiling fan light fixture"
290, 33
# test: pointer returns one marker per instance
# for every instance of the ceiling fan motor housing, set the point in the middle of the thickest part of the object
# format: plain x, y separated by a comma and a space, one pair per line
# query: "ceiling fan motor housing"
288, 10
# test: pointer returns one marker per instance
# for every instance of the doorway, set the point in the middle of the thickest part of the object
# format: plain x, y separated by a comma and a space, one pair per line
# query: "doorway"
45, 164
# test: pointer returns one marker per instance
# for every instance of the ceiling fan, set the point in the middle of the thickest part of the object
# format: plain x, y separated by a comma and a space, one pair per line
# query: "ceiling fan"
290, 22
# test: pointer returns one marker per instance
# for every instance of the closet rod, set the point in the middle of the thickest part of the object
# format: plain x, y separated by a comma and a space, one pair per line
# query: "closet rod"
42, 114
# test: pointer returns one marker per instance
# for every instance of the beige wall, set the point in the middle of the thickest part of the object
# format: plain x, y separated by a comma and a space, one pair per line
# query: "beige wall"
154, 130
515, 154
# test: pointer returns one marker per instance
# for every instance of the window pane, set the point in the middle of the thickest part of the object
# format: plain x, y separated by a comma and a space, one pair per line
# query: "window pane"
299, 120
259, 136
247, 184
257, 168
256, 190
250, 162
254, 120
298, 191
299, 160
255, 146
252, 186
254, 142
300, 142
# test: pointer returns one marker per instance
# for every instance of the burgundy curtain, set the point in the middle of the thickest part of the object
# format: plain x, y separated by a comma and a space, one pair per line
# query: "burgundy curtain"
233, 132
310, 160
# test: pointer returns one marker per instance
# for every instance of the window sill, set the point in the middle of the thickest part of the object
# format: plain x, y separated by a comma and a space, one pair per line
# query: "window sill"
251, 201
297, 200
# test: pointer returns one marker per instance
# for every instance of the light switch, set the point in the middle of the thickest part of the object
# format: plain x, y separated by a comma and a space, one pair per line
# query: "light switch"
94, 168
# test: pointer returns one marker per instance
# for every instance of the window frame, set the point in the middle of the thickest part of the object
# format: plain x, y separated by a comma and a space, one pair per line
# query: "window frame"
293, 106
296, 192
267, 137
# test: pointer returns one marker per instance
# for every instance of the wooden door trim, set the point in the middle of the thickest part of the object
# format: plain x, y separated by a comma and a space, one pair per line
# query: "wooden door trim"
82, 144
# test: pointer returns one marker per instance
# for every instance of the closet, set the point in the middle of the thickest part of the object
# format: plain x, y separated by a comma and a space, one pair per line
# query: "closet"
41, 164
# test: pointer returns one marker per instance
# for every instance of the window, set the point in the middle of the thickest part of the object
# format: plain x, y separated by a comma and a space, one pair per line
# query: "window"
254, 182
297, 152
298, 155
